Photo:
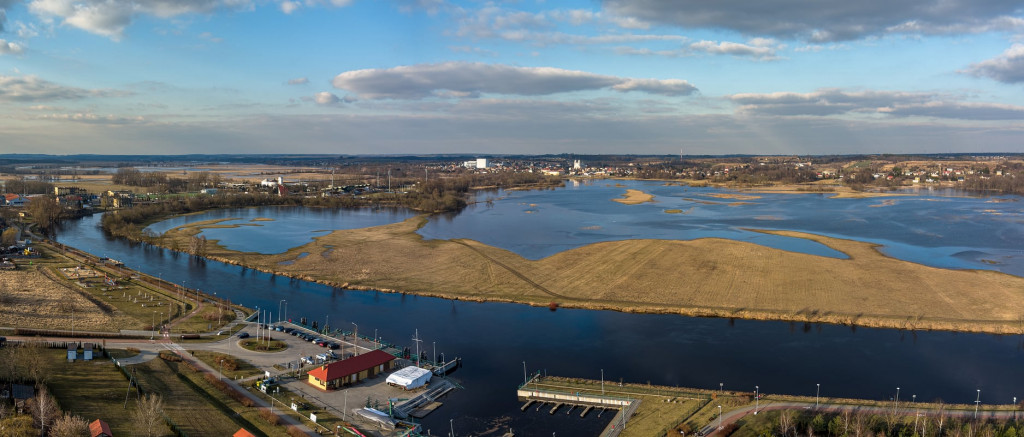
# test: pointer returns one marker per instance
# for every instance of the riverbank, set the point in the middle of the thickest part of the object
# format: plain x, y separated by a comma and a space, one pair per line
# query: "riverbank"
707, 278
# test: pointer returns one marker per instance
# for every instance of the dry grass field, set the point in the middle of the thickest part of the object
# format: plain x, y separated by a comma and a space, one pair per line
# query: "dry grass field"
705, 277
634, 197
31, 299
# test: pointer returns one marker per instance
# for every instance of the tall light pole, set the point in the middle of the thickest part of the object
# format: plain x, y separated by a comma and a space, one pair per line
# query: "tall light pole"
375, 344
451, 422
602, 382
757, 399
355, 338
719, 417
896, 402
977, 402
816, 393
152, 326
435, 351
524, 372
721, 388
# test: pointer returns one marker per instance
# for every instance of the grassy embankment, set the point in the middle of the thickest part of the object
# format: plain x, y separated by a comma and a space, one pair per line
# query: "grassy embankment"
704, 277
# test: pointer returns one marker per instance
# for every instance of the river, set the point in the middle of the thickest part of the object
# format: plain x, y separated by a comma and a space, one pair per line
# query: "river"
495, 338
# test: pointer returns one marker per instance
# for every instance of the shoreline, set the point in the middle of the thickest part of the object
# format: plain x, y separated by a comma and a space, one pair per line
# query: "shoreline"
268, 264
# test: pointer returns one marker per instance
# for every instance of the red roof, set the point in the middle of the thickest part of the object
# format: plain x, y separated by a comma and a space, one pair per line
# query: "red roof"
242, 433
11, 196
356, 364
99, 428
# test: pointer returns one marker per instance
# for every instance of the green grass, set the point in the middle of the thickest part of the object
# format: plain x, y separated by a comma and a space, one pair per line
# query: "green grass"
244, 369
222, 400
206, 320
93, 390
264, 346
190, 410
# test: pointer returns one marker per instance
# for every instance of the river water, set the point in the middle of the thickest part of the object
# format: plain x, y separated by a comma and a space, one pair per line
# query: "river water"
495, 338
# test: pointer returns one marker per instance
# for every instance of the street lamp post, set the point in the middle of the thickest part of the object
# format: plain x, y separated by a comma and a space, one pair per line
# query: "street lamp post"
977, 402
524, 372
816, 393
602, 382
896, 402
375, 345
757, 399
152, 326
721, 388
719, 417
355, 338
451, 423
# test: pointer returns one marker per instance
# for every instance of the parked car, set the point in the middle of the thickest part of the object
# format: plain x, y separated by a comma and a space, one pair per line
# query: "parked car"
243, 335
315, 340
333, 345
279, 328
287, 330
307, 360
321, 357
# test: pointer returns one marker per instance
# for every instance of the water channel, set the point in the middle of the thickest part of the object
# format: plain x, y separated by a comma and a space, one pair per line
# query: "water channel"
494, 339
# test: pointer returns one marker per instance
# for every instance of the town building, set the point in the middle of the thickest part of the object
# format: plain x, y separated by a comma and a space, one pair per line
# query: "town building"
334, 375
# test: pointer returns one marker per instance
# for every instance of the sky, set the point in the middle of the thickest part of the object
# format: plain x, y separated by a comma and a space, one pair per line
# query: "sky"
527, 76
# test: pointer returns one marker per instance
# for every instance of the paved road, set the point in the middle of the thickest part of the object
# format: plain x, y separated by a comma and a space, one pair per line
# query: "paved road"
906, 409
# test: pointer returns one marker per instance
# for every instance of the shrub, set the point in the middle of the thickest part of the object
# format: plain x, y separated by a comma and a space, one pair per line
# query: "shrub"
294, 431
269, 416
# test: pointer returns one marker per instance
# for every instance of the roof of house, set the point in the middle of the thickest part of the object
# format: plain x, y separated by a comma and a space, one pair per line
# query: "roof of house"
99, 428
11, 196
242, 433
356, 364
22, 391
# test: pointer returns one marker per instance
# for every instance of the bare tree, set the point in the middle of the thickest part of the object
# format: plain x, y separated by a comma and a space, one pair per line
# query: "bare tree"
149, 415
9, 237
33, 359
44, 410
785, 421
69, 426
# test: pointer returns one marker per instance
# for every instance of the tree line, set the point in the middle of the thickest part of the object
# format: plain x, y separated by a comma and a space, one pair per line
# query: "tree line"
900, 422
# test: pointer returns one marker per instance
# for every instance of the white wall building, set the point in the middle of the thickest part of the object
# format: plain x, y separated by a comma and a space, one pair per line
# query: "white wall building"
481, 163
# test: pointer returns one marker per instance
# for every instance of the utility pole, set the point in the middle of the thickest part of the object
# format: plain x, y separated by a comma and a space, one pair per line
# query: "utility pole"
757, 399
602, 382
355, 339
417, 340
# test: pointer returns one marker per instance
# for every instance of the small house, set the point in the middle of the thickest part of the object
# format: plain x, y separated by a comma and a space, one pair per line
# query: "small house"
99, 428
242, 433
350, 371
87, 351
21, 394
72, 352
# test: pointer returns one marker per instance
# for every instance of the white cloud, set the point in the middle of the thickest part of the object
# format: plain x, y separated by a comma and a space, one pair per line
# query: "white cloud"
472, 79
1007, 67
828, 20
326, 98
829, 102
541, 28
760, 48
289, 6
88, 117
110, 17
34, 89
298, 81
9, 47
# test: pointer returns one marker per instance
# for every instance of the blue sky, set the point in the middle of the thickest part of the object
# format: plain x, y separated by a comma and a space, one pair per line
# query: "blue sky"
439, 76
